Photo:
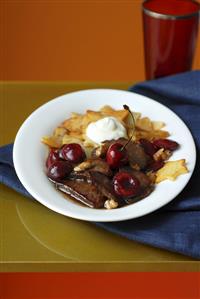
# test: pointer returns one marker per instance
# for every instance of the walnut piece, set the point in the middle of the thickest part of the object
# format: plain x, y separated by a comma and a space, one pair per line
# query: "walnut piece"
166, 155
97, 164
110, 204
162, 154
158, 155
100, 151
84, 165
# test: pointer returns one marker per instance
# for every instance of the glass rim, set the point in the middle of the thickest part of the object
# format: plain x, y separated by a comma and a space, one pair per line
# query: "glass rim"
169, 16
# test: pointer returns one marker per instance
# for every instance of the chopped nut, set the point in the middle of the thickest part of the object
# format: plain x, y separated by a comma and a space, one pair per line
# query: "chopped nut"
110, 204
166, 155
101, 150
84, 165
158, 155
98, 151
95, 164
162, 154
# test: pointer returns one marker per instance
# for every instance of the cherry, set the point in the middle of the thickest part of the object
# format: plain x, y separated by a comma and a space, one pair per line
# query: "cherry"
72, 152
148, 147
116, 155
167, 144
52, 157
58, 170
125, 184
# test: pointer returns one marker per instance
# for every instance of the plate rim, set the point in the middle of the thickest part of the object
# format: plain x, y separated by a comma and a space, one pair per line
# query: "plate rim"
51, 102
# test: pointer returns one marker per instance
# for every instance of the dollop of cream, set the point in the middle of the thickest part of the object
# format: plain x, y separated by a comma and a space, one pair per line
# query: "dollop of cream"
107, 128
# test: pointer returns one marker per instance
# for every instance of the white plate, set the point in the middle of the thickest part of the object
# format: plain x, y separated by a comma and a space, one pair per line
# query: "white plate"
29, 153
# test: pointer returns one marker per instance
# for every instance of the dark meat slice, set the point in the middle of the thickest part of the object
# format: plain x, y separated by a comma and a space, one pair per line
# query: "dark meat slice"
104, 184
136, 153
144, 193
102, 167
97, 165
84, 192
81, 176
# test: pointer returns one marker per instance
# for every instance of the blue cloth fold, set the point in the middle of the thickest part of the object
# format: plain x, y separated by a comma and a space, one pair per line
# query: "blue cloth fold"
175, 227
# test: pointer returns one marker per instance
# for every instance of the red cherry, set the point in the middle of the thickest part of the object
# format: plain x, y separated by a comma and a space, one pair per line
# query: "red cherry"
116, 155
125, 184
58, 170
148, 147
72, 152
52, 157
167, 144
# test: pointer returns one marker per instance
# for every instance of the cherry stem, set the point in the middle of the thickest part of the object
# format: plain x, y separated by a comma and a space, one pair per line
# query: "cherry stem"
128, 109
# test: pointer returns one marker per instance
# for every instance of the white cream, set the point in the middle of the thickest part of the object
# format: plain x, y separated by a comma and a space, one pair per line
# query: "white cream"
105, 129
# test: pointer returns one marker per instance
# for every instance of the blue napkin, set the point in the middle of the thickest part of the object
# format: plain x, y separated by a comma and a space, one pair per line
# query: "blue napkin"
175, 227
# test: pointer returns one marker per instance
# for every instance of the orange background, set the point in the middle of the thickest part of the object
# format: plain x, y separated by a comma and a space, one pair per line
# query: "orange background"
74, 40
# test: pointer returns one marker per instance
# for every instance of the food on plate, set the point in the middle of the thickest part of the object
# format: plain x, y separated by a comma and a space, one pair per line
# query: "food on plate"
171, 170
74, 129
72, 152
107, 126
110, 158
58, 170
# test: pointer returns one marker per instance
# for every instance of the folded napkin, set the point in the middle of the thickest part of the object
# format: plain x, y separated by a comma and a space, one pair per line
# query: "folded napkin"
175, 227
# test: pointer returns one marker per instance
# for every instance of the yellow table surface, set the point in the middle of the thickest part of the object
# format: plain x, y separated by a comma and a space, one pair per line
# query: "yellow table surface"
34, 238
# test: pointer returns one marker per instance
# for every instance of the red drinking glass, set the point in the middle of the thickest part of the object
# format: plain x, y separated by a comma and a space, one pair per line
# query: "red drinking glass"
170, 36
